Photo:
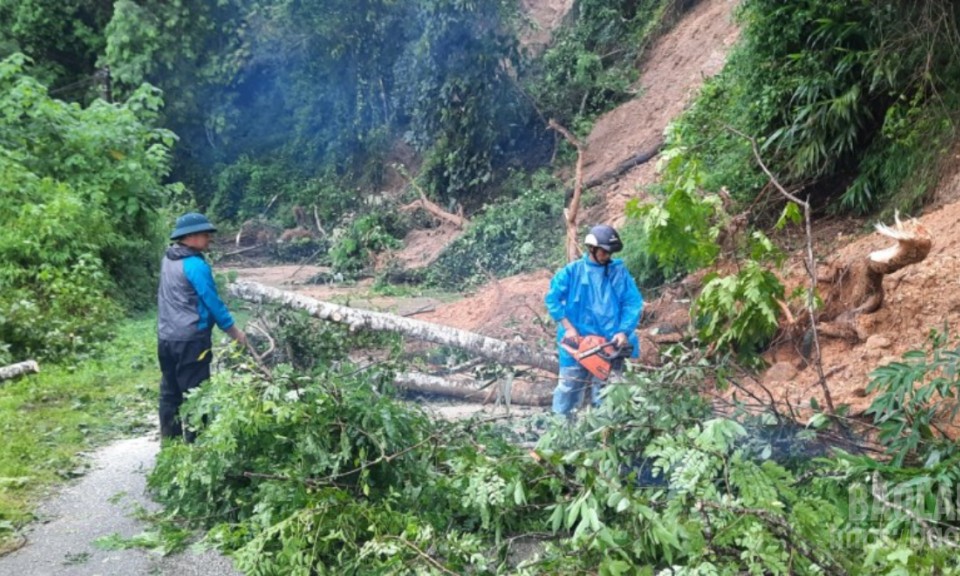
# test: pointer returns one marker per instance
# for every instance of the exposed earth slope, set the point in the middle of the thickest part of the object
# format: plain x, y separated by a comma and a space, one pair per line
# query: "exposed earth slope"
919, 298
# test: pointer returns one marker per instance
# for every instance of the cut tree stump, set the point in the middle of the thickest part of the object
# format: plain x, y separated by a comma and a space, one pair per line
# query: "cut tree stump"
490, 348
19, 369
857, 287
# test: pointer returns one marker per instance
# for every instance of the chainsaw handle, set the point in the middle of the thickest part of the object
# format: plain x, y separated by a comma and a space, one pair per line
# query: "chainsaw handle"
619, 352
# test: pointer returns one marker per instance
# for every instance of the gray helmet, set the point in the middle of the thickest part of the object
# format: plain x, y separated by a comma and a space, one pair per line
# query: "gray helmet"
191, 223
603, 236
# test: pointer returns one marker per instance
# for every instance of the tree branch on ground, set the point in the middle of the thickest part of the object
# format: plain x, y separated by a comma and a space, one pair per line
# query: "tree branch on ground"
425, 204
782, 530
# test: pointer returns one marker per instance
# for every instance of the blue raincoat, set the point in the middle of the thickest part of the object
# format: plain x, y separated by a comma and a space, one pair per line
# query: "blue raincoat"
597, 300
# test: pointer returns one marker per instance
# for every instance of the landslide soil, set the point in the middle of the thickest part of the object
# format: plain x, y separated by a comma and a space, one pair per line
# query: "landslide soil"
920, 298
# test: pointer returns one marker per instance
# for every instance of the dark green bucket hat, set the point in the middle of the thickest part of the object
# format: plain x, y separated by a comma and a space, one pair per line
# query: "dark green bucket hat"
191, 223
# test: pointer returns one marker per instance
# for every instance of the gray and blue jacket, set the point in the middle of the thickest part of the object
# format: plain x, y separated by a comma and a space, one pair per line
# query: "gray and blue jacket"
187, 301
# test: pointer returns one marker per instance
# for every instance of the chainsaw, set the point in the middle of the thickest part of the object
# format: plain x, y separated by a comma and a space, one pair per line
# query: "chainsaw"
596, 354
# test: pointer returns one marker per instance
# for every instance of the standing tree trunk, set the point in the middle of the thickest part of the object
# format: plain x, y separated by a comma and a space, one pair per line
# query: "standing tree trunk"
490, 348
573, 244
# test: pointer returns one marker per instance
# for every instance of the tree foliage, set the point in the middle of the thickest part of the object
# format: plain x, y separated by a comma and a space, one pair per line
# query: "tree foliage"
63, 38
327, 473
508, 237
591, 62
79, 221
318, 92
854, 97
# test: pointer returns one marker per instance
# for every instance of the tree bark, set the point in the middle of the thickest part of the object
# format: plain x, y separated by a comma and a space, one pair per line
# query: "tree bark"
490, 348
624, 167
849, 290
522, 392
18, 369
573, 244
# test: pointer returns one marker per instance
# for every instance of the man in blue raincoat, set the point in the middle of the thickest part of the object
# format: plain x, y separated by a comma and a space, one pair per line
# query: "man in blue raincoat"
594, 295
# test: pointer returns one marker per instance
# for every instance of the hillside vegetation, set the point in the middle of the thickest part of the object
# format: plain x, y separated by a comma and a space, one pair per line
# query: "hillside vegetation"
346, 110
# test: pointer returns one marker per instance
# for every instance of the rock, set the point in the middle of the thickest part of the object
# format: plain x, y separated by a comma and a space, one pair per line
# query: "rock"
780, 372
872, 354
887, 360
877, 342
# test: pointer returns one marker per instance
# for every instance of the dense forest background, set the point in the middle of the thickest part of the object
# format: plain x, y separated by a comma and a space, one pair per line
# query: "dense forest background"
116, 116
244, 109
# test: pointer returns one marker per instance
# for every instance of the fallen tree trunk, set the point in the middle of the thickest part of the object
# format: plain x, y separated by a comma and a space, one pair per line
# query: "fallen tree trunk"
624, 167
430, 207
522, 392
19, 369
458, 219
490, 348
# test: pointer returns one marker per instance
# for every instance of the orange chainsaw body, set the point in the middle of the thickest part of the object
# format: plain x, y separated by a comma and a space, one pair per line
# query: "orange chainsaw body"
593, 353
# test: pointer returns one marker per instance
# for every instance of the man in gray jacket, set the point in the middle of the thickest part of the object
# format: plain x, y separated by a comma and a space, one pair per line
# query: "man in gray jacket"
187, 308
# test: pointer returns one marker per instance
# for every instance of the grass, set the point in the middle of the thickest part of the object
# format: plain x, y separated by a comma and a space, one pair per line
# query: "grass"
47, 420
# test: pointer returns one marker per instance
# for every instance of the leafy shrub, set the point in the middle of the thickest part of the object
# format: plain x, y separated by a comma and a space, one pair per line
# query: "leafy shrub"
680, 232
831, 93
590, 64
328, 474
915, 401
740, 310
80, 195
681, 226
286, 460
367, 235
638, 256
245, 187
508, 237
308, 344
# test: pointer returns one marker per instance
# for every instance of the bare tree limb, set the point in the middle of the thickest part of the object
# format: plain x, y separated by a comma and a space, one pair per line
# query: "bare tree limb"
811, 265
427, 205
573, 245
316, 220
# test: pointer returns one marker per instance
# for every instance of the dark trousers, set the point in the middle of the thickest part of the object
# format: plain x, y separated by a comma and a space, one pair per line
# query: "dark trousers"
184, 365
